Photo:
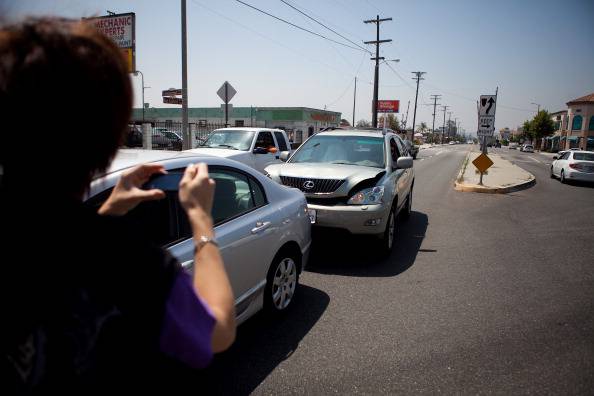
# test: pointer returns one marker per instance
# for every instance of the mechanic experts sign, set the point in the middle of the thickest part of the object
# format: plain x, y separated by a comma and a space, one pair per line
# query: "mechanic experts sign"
121, 28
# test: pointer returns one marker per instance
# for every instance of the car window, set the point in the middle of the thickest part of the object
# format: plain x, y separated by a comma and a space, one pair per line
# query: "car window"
583, 156
342, 149
402, 148
394, 150
154, 221
280, 139
265, 140
232, 139
565, 156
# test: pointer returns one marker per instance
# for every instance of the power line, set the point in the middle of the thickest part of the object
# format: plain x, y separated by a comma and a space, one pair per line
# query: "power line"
299, 27
400, 77
321, 24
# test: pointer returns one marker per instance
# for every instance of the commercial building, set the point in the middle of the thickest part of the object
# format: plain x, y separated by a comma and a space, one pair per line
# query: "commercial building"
579, 131
298, 122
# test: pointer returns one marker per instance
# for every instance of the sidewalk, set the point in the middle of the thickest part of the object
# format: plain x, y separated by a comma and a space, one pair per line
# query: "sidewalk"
501, 178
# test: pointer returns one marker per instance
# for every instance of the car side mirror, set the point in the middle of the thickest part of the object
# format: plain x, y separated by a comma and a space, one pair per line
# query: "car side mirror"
555, 157
404, 163
260, 150
284, 156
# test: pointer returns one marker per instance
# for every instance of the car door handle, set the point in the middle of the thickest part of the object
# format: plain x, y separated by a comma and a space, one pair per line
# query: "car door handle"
187, 264
260, 226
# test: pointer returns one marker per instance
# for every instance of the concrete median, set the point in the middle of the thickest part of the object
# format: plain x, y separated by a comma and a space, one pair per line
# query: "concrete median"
502, 177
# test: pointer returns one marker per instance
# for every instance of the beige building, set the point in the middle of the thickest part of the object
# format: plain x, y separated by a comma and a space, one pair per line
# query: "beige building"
578, 130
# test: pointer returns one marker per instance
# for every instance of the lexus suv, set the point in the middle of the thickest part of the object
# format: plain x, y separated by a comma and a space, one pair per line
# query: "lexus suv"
355, 180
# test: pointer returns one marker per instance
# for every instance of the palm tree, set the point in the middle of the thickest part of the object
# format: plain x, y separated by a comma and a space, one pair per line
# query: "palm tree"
422, 128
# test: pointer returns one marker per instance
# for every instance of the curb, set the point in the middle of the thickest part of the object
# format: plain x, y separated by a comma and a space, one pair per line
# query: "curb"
463, 187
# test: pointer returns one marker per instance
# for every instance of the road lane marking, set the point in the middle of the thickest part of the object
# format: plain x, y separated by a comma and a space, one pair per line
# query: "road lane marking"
535, 160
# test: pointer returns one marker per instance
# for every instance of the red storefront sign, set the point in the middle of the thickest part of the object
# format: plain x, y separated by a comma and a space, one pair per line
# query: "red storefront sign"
388, 106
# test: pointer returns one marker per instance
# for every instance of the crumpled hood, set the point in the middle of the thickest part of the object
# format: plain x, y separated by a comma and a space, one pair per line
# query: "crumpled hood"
352, 174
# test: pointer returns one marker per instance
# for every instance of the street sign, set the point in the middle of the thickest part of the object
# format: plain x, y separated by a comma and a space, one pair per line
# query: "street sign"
226, 92
229, 107
121, 28
487, 105
172, 92
482, 162
388, 106
172, 100
486, 126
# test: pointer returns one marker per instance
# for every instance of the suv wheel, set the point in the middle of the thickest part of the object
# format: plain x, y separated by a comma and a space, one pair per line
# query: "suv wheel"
282, 281
387, 238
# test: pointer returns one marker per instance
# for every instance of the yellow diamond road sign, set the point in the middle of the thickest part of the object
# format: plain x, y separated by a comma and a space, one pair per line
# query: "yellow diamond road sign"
482, 163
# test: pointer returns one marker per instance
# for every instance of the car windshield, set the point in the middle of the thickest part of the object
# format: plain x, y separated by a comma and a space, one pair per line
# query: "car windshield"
235, 139
171, 135
583, 156
346, 150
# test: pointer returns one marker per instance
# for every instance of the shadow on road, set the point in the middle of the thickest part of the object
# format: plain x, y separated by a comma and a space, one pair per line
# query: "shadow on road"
354, 255
262, 343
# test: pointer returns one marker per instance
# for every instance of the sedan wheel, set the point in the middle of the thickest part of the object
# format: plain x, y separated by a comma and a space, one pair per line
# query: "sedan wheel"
552, 174
562, 177
282, 283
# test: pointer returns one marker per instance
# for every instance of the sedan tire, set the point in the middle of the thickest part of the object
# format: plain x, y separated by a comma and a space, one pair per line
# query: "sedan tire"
552, 174
281, 282
562, 177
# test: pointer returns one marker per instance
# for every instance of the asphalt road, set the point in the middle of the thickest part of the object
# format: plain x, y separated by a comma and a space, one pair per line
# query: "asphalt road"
483, 294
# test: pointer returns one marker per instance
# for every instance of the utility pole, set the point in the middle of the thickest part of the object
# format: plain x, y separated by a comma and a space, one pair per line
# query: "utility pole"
435, 98
187, 144
444, 109
406, 119
377, 58
354, 101
449, 124
418, 77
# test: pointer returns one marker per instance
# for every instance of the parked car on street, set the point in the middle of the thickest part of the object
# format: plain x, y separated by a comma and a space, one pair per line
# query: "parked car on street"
254, 147
512, 146
262, 228
355, 180
573, 165
527, 148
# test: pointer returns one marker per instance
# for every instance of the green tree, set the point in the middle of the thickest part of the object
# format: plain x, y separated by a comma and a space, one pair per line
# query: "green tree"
363, 124
541, 125
422, 127
526, 127
393, 122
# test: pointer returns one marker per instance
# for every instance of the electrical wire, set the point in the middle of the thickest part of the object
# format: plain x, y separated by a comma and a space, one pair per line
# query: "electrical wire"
299, 27
321, 24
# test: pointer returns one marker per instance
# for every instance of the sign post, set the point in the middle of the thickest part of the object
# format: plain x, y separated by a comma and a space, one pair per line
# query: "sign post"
226, 93
486, 129
172, 96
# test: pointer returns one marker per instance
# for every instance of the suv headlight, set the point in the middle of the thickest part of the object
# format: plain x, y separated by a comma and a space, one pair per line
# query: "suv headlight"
369, 196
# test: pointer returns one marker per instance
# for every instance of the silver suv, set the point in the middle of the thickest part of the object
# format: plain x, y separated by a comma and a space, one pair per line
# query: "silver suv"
356, 180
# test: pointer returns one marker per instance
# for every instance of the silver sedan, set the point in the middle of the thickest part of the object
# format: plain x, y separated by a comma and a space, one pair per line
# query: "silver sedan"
263, 228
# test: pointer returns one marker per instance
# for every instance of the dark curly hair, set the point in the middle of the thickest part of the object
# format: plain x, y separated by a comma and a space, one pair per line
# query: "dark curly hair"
65, 101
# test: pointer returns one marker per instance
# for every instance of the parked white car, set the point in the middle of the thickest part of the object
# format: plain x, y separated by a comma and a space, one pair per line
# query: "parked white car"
527, 148
254, 147
262, 228
573, 165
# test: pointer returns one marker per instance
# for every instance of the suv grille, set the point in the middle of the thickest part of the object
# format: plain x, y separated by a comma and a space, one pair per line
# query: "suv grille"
318, 186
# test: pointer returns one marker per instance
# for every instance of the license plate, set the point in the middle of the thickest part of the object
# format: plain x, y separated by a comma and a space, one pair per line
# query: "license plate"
312, 215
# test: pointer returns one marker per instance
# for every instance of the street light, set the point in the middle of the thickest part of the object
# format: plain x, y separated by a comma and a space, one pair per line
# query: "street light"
538, 107
143, 87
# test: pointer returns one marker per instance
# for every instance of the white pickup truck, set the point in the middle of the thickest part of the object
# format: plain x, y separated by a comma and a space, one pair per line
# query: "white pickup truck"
255, 147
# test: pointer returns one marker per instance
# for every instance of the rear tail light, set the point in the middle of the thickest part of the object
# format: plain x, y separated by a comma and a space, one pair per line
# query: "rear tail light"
577, 166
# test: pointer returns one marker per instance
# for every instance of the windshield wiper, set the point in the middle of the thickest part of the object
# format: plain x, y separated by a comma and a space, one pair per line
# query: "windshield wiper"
228, 146
342, 163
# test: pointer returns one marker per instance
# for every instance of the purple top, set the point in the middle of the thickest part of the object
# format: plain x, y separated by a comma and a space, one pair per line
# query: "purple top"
187, 326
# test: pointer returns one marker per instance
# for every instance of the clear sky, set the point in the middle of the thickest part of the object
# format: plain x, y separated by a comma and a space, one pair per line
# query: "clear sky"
535, 51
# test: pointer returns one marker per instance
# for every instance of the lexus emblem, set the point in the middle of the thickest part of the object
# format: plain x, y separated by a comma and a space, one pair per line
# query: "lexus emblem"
308, 185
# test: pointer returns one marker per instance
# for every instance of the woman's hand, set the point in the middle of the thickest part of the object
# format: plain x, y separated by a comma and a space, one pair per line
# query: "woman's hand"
196, 189
127, 193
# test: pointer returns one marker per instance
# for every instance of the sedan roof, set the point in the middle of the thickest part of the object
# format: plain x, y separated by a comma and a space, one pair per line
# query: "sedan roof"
127, 158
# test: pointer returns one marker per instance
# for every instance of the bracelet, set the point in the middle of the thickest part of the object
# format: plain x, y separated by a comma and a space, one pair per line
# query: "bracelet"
203, 240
